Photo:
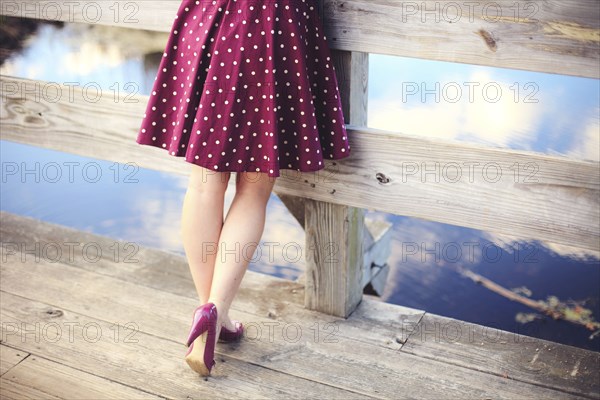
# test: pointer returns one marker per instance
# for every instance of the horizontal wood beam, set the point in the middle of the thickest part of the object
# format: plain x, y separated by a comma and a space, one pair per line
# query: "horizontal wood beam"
553, 36
516, 193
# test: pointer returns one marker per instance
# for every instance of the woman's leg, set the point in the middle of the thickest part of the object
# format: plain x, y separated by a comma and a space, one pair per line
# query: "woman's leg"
201, 223
239, 238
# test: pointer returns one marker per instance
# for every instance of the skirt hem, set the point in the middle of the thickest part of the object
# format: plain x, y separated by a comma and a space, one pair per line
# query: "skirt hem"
241, 167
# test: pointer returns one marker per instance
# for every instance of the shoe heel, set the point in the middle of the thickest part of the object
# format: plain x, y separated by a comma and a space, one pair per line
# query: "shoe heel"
200, 321
195, 356
200, 355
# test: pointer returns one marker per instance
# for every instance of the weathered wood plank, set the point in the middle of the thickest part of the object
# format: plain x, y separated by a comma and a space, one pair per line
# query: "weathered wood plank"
388, 377
487, 349
352, 75
295, 206
263, 301
37, 378
10, 357
137, 359
334, 233
169, 273
366, 371
542, 35
539, 35
12, 391
334, 257
286, 298
515, 193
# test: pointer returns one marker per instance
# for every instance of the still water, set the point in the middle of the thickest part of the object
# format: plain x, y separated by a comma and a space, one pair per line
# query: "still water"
502, 108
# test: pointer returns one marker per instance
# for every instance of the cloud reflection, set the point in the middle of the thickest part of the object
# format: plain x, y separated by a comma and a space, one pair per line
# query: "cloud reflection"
157, 217
497, 107
489, 116
586, 146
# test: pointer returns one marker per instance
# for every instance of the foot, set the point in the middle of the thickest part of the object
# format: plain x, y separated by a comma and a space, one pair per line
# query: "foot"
219, 326
225, 322
228, 324
228, 335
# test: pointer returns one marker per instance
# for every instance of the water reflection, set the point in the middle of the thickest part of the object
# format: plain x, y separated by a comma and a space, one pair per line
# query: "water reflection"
564, 120
498, 107
111, 57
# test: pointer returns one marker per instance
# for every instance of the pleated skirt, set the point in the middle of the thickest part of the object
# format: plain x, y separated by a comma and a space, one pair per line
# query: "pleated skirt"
247, 86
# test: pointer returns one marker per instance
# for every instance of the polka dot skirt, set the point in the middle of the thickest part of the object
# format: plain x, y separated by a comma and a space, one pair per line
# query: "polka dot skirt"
247, 85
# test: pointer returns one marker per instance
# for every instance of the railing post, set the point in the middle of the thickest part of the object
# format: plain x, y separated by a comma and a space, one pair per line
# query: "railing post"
334, 233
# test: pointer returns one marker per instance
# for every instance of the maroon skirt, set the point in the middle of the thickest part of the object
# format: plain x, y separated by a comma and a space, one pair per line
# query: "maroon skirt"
247, 85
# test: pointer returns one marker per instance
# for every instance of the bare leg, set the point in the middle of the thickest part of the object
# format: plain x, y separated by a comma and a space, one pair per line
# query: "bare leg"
201, 223
239, 238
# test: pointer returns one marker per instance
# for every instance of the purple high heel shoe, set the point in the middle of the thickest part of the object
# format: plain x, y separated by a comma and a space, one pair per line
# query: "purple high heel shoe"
227, 335
200, 319
202, 339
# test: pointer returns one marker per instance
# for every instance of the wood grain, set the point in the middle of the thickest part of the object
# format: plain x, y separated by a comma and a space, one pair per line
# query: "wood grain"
540, 361
334, 232
334, 257
10, 357
53, 292
59, 381
142, 360
552, 36
169, 273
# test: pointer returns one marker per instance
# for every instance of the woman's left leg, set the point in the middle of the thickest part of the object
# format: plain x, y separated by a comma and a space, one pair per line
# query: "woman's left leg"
201, 224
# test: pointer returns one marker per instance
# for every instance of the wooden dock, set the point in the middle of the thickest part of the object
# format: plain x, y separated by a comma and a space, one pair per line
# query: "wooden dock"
75, 326
78, 326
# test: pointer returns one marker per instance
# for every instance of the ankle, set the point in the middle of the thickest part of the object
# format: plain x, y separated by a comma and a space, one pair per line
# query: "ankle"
222, 309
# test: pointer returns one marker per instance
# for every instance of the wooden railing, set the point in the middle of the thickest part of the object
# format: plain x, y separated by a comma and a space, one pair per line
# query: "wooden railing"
530, 196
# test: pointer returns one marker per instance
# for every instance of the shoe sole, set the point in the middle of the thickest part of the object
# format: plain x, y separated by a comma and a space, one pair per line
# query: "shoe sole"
195, 359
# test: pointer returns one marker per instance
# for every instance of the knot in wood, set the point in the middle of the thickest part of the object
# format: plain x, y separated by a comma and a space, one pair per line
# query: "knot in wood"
382, 178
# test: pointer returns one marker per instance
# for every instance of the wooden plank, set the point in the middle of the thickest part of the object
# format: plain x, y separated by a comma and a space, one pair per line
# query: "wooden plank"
540, 35
262, 301
352, 74
37, 378
334, 233
354, 103
487, 349
368, 370
10, 357
166, 272
12, 391
389, 376
169, 273
295, 206
334, 257
520, 194
153, 15
137, 359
